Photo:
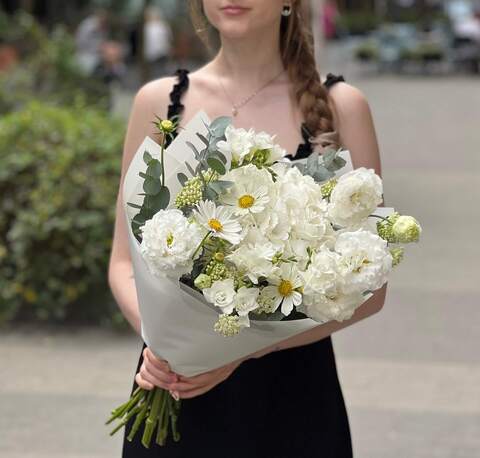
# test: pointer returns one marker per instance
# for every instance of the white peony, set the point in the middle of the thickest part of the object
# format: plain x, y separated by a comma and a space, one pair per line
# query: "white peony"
254, 260
365, 261
238, 143
222, 295
320, 277
355, 196
168, 243
333, 305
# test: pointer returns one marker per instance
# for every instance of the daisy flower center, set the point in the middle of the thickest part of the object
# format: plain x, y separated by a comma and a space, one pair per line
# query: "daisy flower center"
246, 201
285, 288
169, 239
215, 224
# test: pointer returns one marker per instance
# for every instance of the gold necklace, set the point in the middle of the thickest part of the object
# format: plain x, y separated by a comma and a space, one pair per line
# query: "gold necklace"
237, 106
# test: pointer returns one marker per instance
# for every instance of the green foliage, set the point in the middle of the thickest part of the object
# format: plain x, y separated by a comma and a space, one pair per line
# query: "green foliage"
58, 185
47, 67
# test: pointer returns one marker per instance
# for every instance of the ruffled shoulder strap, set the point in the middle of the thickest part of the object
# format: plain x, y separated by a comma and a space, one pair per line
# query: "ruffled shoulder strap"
177, 91
331, 79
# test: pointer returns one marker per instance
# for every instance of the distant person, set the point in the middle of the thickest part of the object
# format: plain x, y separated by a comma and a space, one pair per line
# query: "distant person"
157, 41
329, 18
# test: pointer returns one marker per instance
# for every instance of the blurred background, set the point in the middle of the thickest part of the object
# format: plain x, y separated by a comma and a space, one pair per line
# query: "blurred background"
68, 73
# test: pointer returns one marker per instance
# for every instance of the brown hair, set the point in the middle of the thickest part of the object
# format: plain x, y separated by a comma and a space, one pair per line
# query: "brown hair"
297, 49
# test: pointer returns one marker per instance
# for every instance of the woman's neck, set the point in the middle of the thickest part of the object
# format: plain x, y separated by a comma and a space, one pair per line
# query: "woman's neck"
250, 61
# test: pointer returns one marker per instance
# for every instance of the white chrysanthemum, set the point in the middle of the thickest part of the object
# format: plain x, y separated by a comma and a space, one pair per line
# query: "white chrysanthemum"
355, 196
218, 220
282, 285
246, 300
320, 277
238, 143
333, 305
222, 295
254, 260
365, 261
168, 243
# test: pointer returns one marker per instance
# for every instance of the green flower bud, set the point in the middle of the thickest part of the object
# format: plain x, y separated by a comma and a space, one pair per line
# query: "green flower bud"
166, 126
406, 229
397, 255
219, 256
227, 325
203, 281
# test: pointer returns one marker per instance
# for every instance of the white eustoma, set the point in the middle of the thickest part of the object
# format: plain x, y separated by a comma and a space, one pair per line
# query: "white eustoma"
355, 196
222, 295
283, 285
253, 260
246, 300
320, 277
168, 243
365, 261
220, 221
263, 140
238, 143
333, 305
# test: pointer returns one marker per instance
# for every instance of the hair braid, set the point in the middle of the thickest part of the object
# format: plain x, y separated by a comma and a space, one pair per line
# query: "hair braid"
297, 48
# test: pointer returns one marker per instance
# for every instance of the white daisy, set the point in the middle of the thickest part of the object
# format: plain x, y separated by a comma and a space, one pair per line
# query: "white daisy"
283, 287
219, 221
248, 198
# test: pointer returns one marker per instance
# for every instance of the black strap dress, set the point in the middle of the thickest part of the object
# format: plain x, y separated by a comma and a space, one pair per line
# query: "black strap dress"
287, 404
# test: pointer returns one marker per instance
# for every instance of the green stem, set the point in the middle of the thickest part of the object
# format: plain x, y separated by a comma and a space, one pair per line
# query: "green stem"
152, 418
378, 216
201, 244
162, 145
140, 416
130, 414
162, 419
119, 411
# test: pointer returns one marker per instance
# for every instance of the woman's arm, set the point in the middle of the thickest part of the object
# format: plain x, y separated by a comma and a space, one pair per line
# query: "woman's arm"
151, 100
354, 122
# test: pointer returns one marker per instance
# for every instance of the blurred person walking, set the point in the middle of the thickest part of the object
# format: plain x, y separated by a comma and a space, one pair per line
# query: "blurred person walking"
157, 46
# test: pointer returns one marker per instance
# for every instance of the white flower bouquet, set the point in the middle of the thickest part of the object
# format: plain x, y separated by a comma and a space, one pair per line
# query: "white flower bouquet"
230, 239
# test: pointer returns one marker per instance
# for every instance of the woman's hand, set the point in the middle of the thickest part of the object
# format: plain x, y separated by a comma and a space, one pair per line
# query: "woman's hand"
154, 372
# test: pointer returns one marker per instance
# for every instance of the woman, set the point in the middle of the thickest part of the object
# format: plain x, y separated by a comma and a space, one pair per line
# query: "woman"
284, 401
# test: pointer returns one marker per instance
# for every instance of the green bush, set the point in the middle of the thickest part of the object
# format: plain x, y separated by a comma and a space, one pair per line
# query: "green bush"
59, 178
47, 67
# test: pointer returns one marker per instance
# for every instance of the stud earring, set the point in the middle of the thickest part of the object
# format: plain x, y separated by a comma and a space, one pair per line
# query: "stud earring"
287, 10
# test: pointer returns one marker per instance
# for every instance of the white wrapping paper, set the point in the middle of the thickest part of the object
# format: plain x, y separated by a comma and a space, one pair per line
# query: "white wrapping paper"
178, 325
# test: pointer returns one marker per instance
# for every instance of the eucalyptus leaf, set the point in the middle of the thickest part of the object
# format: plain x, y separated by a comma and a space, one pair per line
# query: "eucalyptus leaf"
190, 169
151, 186
210, 193
182, 178
143, 175
218, 125
203, 138
147, 157
130, 204
216, 165
161, 200
194, 149
218, 155
154, 168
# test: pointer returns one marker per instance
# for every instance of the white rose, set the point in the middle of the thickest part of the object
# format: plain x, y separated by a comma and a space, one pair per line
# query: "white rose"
168, 243
365, 261
238, 143
355, 196
222, 295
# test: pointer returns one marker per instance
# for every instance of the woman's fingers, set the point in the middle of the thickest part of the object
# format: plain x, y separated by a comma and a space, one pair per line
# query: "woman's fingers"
151, 378
167, 377
143, 383
196, 392
157, 362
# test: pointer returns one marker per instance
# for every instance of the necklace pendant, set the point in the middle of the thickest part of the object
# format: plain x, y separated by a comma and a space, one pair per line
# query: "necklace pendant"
234, 111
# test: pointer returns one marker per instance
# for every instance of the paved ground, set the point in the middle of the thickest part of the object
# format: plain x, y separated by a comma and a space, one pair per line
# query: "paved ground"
411, 374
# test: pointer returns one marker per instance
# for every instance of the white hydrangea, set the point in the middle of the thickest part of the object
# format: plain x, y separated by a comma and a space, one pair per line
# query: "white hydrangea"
254, 260
237, 144
168, 243
355, 196
246, 300
365, 261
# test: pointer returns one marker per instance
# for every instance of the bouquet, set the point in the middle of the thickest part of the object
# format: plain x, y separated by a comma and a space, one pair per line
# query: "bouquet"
235, 248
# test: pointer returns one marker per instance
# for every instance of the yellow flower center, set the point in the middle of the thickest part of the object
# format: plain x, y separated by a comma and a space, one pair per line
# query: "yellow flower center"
166, 125
355, 197
169, 239
215, 224
246, 201
285, 288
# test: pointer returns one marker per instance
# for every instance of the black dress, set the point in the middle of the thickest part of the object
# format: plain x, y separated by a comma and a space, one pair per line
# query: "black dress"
287, 404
